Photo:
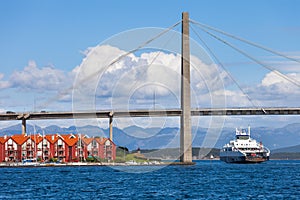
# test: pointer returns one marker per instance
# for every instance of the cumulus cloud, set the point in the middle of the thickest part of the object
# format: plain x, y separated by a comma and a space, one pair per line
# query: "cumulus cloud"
103, 74
4, 84
37, 78
273, 79
277, 91
104, 79
44, 86
207, 76
133, 78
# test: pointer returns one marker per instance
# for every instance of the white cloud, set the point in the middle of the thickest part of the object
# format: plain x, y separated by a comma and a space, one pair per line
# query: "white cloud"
131, 78
4, 84
273, 83
272, 79
276, 91
39, 87
37, 78
135, 79
207, 76
139, 77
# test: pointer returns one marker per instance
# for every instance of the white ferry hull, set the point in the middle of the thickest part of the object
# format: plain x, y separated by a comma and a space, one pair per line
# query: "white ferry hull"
238, 157
235, 159
243, 159
232, 157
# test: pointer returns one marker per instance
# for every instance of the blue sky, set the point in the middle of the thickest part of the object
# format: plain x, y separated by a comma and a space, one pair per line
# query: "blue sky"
47, 40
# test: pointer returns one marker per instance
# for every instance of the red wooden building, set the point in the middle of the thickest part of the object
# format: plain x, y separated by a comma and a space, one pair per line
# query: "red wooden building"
103, 148
65, 148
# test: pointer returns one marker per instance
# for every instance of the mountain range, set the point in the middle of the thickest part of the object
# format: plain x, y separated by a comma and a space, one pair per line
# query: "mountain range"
134, 137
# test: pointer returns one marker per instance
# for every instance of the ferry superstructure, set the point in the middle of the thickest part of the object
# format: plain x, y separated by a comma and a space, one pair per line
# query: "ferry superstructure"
244, 149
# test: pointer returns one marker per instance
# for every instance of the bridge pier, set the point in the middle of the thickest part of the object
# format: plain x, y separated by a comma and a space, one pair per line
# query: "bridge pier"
111, 126
23, 126
185, 118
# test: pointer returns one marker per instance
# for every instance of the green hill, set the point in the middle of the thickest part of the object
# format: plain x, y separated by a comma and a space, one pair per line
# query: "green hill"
174, 153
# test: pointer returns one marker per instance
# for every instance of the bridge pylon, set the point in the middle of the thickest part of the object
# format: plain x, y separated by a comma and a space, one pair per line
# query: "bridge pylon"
185, 118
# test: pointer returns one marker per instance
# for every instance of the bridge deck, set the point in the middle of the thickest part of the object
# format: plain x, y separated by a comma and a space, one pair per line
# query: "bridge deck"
149, 113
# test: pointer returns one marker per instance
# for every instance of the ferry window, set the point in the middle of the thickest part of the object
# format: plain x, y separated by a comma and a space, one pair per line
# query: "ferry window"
243, 137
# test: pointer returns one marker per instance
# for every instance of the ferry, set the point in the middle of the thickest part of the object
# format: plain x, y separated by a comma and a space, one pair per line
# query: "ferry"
244, 149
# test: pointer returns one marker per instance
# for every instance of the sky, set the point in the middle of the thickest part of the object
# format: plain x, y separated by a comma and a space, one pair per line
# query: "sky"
56, 55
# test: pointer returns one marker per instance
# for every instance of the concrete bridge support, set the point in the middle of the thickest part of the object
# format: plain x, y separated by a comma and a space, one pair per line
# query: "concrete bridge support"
111, 126
185, 119
23, 126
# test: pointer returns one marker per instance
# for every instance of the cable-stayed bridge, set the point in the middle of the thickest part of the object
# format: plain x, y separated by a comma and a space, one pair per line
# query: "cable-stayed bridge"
185, 112
150, 113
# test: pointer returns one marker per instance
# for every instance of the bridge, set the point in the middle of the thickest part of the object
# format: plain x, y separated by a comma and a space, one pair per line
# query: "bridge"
144, 113
185, 112
149, 113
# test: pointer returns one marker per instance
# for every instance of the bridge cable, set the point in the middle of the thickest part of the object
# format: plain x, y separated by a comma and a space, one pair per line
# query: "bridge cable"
163, 47
223, 67
155, 58
252, 58
145, 43
65, 92
245, 41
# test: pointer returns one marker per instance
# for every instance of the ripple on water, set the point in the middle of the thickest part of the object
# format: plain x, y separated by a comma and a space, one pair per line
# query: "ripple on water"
205, 180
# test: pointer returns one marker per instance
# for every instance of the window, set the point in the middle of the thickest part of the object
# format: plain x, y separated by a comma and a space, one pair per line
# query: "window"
59, 142
94, 143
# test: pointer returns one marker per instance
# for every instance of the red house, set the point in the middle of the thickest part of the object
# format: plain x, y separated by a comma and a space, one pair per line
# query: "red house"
107, 149
2, 148
66, 148
103, 148
73, 151
21, 147
14, 151
55, 148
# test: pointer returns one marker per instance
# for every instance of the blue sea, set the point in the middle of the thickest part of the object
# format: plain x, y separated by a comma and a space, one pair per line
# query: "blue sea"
205, 180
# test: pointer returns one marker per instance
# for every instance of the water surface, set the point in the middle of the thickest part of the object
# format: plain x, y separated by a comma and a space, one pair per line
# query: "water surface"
205, 180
